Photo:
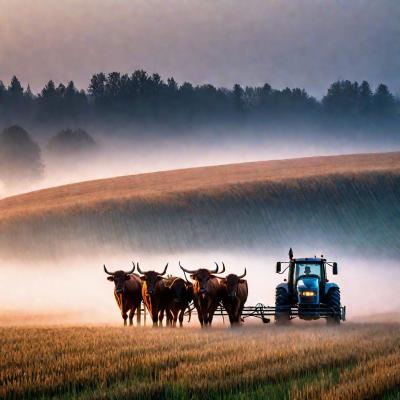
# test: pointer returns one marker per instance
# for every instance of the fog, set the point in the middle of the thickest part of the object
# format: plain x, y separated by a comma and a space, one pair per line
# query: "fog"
76, 290
120, 155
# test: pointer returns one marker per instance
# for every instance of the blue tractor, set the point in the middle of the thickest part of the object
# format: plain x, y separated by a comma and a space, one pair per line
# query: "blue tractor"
307, 293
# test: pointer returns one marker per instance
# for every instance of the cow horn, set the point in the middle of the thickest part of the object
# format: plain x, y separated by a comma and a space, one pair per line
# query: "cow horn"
187, 270
105, 270
216, 269
223, 268
165, 270
187, 280
243, 275
139, 270
132, 270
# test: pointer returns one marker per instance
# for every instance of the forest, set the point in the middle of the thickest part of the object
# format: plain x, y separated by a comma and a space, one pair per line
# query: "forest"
147, 101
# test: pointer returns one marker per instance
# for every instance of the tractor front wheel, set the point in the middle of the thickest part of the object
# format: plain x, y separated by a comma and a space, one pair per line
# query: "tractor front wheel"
333, 302
282, 306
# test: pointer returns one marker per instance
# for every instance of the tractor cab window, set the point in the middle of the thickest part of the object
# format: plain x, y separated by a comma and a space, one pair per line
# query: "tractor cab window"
307, 269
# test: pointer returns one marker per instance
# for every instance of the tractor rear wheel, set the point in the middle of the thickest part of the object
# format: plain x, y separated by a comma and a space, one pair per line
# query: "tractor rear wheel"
282, 306
333, 301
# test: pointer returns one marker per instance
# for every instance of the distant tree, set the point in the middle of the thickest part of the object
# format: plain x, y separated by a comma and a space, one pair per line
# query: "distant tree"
365, 98
97, 86
15, 88
2, 95
74, 102
28, 93
50, 103
14, 99
20, 157
238, 98
342, 99
71, 142
383, 101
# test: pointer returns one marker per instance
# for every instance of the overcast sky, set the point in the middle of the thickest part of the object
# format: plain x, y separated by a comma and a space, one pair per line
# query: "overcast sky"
304, 43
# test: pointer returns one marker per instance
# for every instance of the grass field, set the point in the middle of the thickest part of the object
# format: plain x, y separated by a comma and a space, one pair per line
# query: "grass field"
341, 200
355, 361
216, 179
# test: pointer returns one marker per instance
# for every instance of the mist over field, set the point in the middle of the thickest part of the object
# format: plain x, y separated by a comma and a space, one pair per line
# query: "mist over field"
121, 155
76, 289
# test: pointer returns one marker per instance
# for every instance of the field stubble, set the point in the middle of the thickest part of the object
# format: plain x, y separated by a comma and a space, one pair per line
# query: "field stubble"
355, 361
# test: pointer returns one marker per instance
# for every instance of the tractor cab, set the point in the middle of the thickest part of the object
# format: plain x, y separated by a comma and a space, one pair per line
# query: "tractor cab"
307, 293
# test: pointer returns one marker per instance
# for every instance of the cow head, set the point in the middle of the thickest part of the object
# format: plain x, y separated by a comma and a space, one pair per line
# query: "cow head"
231, 283
151, 278
202, 275
119, 278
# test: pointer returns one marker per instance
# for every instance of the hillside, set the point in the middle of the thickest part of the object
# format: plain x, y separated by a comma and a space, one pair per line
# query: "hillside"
352, 197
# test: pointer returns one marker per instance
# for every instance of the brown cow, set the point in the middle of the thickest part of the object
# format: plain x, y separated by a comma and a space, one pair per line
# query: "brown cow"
235, 292
155, 294
180, 296
207, 292
127, 292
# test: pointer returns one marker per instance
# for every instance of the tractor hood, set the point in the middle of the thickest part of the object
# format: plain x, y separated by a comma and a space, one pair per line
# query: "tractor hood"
308, 290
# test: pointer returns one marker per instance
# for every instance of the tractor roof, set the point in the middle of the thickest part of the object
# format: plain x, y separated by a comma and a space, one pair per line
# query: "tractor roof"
309, 259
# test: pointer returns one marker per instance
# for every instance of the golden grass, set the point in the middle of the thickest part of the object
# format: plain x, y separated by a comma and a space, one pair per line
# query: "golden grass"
354, 361
160, 186
348, 201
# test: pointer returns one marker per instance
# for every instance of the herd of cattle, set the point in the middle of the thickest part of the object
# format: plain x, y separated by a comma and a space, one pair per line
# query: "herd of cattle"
172, 296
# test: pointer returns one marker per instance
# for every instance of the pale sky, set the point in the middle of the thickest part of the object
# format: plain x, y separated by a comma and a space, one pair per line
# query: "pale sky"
304, 43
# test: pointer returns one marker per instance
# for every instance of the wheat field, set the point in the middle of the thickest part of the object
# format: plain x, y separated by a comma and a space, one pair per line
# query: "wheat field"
354, 361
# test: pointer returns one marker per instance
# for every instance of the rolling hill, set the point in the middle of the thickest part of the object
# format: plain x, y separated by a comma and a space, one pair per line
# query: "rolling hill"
349, 200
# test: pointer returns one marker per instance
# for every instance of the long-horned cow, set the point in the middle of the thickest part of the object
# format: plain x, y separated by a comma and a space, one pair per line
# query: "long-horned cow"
180, 296
155, 293
127, 292
235, 292
207, 292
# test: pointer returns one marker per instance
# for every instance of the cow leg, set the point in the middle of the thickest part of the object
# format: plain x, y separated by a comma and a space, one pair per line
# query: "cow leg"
232, 312
211, 312
205, 318
199, 312
181, 315
156, 317
175, 317
138, 314
131, 315
170, 316
238, 314
201, 320
124, 316
167, 317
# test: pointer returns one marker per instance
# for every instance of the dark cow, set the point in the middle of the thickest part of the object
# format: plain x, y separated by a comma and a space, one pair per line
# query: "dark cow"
207, 292
180, 296
155, 294
127, 292
235, 292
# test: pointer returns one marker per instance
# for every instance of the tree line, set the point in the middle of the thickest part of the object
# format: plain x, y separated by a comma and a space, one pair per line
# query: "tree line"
147, 100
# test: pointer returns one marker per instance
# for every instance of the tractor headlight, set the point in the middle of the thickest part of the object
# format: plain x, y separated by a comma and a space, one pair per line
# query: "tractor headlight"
308, 293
